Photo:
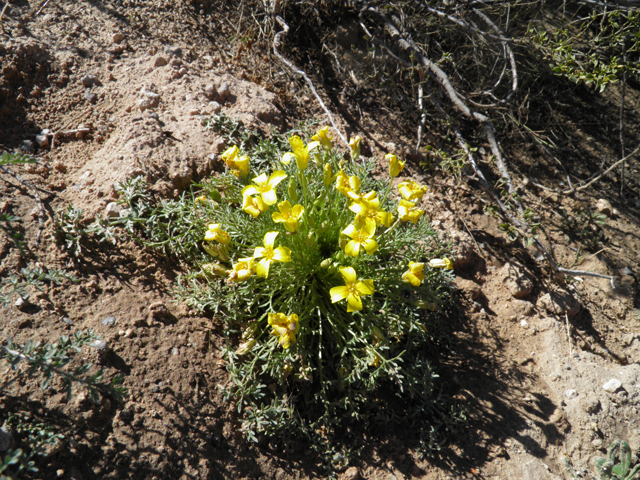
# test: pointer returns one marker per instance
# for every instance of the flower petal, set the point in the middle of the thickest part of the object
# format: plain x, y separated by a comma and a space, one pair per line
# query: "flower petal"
282, 254
269, 239
352, 249
365, 287
339, 293
354, 303
348, 274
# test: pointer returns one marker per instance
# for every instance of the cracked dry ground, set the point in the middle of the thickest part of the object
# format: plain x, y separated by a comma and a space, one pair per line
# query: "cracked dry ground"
529, 359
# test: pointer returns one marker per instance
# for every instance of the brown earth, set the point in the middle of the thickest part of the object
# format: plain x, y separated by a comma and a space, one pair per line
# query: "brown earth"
531, 356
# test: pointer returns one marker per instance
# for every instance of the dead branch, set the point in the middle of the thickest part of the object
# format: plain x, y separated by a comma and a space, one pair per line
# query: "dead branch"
277, 41
587, 185
443, 80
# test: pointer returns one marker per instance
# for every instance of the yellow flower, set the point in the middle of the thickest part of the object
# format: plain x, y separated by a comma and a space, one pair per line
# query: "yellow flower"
300, 152
201, 200
410, 190
352, 290
265, 187
270, 254
215, 269
287, 157
367, 207
361, 233
284, 327
239, 166
441, 263
254, 206
246, 347
348, 186
414, 275
215, 233
395, 166
323, 137
242, 270
354, 144
408, 212
288, 215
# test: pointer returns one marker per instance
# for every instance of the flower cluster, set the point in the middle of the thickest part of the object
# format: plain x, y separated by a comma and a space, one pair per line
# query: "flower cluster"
324, 227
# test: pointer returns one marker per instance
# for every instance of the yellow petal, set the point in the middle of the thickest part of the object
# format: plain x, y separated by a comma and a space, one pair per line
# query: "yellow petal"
282, 254
339, 293
269, 239
352, 249
348, 274
354, 303
365, 287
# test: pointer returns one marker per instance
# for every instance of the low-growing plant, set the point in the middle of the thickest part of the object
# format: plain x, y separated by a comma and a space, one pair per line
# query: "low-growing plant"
332, 284
18, 284
73, 232
615, 466
51, 360
34, 437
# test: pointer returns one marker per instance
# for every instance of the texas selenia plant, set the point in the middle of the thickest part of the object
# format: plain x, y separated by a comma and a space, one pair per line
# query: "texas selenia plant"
328, 273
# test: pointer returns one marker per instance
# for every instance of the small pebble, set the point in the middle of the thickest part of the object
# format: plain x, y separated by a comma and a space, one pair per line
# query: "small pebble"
171, 50
42, 140
117, 37
89, 80
612, 385
175, 351
20, 303
109, 321
571, 393
112, 211
89, 96
67, 320
99, 344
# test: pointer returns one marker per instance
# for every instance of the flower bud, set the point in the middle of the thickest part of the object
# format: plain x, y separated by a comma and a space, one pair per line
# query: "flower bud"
246, 347
250, 331
326, 179
377, 335
326, 263
354, 144
292, 189
441, 263
215, 269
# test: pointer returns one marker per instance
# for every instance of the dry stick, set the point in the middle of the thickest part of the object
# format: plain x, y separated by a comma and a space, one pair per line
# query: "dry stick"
454, 97
587, 185
34, 191
2, 15
443, 80
276, 43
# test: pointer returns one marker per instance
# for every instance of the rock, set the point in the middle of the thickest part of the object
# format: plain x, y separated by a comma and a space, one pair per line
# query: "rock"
109, 321
89, 96
211, 91
571, 393
150, 99
518, 282
160, 61
117, 37
125, 212
67, 320
42, 140
223, 92
214, 107
89, 80
612, 385
27, 146
559, 303
6, 440
175, 351
469, 287
604, 207
99, 344
171, 50
20, 303
351, 473
112, 210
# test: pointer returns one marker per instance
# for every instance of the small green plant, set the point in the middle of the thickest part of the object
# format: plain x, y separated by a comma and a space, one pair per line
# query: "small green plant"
450, 164
7, 221
50, 360
593, 49
35, 437
74, 234
18, 284
616, 466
